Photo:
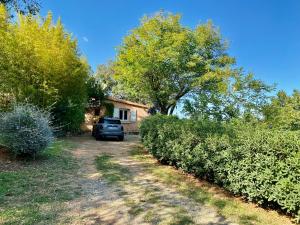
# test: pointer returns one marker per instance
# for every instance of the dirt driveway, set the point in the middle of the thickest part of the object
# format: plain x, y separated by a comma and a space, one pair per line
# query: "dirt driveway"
117, 189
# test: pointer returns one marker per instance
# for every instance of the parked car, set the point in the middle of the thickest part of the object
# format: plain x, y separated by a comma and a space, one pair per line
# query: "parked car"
108, 127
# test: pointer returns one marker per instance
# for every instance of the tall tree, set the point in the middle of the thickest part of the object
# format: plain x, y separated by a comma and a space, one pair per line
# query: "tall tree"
284, 111
160, 62
106, 81
239, 96
104, 76
40, 64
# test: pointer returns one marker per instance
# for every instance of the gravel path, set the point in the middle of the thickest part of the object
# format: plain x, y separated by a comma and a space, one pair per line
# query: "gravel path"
139, 198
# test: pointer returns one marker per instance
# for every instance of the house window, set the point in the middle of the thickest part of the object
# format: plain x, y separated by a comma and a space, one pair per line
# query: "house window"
124, 114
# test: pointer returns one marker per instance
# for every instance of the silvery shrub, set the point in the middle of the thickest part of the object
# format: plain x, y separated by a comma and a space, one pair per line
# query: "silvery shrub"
26, 130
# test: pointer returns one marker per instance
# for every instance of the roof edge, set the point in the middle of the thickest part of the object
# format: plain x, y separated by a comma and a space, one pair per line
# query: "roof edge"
127, 102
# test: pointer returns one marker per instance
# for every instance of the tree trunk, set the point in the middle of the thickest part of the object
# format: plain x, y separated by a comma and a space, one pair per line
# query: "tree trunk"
172, 108
164, 110
167, 110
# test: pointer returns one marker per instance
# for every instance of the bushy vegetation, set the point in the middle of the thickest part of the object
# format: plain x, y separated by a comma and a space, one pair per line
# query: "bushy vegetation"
283, 112
40, 64
25, 130
248, 159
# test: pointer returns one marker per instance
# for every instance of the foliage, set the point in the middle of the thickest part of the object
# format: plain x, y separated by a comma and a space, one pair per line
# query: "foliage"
25, 130
109, 108
161, 61
284, 111
104, 75
40, 64
101, 85
259, 163
22, 6
236, 211
243, 97
6, 101
95, 91
109, 85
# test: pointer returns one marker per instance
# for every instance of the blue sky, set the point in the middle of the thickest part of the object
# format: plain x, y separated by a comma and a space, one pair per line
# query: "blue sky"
264, 35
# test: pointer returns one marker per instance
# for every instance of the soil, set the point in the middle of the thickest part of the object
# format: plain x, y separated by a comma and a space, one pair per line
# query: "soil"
138, 199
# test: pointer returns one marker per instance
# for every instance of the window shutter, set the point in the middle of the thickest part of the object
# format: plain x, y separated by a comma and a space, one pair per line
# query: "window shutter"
116, 112
133, 115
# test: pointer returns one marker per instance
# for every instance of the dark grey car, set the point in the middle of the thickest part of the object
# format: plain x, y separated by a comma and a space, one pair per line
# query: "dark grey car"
108, 127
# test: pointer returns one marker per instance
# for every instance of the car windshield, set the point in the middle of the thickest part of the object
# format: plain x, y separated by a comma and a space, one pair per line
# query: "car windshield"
108, 121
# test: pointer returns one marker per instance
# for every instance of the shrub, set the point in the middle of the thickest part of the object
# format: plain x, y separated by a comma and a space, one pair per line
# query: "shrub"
109, 108
25, 130
253, 161
40, 63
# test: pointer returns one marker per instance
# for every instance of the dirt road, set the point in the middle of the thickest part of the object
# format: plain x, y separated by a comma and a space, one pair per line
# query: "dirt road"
117, 189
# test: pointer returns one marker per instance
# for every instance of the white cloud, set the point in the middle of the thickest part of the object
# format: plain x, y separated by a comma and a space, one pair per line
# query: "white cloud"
85, 39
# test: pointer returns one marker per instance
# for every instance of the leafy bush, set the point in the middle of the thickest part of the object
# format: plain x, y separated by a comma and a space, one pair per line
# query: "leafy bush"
253, 161
40, 64
25, 130
109, 108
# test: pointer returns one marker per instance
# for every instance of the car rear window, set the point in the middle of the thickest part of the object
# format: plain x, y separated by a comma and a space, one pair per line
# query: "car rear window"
107, 121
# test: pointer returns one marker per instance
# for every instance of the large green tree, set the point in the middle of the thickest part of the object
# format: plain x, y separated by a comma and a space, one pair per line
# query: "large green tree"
104, 76
242, 96
161, 61
283, 111
40, 64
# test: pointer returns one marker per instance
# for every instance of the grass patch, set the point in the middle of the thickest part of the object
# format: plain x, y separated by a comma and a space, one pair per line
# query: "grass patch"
110, 170
181, 217
152, 198
148, 202
150, 216
178, 216
230, 207
134, 207
36, 192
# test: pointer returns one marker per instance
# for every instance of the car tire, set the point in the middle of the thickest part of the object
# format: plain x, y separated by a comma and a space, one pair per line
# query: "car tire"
121, 138
99, 137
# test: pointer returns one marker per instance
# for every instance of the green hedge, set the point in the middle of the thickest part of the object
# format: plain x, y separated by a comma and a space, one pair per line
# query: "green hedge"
261, 164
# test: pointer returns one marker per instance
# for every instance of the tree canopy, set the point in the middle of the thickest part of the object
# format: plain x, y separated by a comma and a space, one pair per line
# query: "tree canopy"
104, 76
283, 111
22, 6
244, 96
161, 61
40, 64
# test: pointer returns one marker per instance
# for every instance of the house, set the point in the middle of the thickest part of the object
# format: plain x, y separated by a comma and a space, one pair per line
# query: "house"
130, 113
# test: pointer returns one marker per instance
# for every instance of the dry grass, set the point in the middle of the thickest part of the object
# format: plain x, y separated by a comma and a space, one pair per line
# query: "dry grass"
121, 189
35, 191
227, 205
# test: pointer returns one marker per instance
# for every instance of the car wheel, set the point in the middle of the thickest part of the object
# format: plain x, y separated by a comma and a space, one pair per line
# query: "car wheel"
99, 137
121, 138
